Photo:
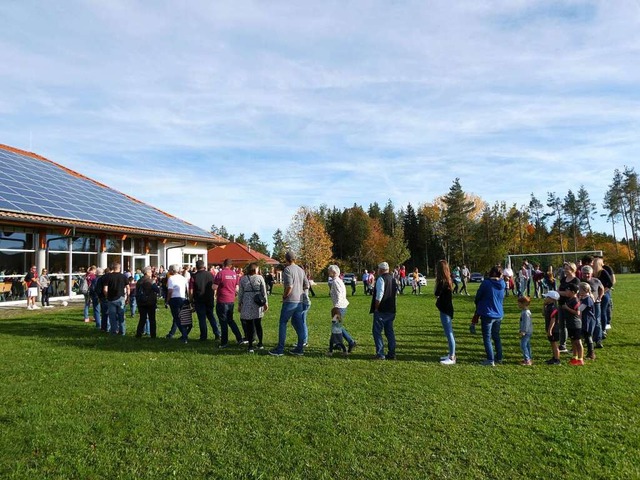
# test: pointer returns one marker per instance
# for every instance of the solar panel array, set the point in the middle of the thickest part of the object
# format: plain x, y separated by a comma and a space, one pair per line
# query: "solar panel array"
30, 185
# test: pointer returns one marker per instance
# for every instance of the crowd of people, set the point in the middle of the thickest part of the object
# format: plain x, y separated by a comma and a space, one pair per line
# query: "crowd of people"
577, 304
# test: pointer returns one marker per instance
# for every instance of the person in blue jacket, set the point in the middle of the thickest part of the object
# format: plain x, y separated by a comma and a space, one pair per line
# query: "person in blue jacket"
489, 298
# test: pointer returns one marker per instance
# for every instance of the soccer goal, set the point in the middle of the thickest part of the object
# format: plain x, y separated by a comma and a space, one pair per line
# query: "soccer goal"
554, 259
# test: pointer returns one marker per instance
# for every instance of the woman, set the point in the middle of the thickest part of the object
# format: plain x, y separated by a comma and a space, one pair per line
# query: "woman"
339, 300
569, 277
252, 284
607, 280
147, 292
444, 303
489, 298
456, 280
45, 284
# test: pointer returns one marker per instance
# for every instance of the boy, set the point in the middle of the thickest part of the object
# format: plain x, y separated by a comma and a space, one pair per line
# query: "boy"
551, 325
337, 340
573, 323
526, 329
588, 315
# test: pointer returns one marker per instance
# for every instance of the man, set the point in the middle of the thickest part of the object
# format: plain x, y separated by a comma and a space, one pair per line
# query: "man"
116, 291
101, 277
296, 286
225, 286
365, 281
176, 296
201, 289
383, 308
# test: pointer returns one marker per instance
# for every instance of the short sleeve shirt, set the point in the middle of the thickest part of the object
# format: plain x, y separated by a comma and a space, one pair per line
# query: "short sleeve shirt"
177, 285
226, 280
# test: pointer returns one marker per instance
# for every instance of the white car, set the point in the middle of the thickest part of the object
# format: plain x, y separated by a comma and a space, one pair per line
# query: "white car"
422, 280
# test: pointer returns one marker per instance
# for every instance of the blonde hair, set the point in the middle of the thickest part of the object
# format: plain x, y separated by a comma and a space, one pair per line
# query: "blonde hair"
525, 301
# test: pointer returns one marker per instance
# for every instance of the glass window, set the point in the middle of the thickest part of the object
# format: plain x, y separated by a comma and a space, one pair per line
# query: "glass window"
85, 244
138, 246
57, 243
82, 261
153, 246
153, 260
16, 241
114, 245
58, 262
127, 244
15, 263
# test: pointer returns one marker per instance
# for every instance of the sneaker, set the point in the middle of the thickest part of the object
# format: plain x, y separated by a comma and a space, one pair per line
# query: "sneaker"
591, 356
526, 362
223, 346
599, 345
48, 306
250, 350
168, 335
377, 357
608, 327
352, 347
184, 340
260, 346
29, 307
444, 357
86, 320
243, 342
297, 353
448, 361
488, 363
275, 353
390, 357
329, 354
576, 362
36, 307
563, 349
553, 361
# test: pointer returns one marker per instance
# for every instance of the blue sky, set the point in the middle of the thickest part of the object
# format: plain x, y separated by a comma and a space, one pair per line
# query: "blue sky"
237, 113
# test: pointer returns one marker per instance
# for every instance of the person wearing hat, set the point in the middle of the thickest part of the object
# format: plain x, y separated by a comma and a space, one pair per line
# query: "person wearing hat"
383, 308
550, 310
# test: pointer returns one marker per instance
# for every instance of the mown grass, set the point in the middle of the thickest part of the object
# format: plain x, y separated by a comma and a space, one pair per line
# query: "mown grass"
76, 403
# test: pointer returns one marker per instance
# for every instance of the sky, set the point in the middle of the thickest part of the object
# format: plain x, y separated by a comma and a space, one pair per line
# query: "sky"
238, 112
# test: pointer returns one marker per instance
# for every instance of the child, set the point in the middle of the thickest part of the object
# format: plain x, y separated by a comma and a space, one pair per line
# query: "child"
588, 314
551, 324
574, 324
526, 329
337, 340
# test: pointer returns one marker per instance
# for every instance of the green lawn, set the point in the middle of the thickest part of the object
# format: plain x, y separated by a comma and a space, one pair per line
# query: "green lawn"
76, 403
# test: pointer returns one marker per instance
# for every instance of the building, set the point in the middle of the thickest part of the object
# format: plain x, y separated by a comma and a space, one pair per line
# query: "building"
58, 219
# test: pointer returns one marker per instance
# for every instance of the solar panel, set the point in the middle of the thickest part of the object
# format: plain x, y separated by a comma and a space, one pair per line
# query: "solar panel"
30, 185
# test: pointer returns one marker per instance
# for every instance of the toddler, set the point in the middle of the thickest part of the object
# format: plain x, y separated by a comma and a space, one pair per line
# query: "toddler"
337, 340
588, 315
551, 325
526, 329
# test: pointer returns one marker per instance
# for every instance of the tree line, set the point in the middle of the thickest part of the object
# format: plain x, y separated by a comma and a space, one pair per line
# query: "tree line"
460, 227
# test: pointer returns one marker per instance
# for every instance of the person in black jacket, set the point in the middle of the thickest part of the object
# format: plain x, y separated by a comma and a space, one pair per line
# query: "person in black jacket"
444, 303
147, 292
383, 308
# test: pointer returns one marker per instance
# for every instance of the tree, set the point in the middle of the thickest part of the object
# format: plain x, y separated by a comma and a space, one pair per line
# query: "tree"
256, 244
241, 239
396, 251
374, 211
536, 210
456, 222
555, 204
571, 211
587, 211
316, 245
279, 250
374, 248
631, 206
388, 218
220, 231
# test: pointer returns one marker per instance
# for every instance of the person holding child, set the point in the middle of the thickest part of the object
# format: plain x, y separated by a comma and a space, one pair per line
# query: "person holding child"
526, 329
551, 325
573, 323
338, 295
444, 303
337, 339
569, 278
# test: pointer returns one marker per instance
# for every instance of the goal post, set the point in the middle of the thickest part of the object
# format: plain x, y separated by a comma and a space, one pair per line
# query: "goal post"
554, 259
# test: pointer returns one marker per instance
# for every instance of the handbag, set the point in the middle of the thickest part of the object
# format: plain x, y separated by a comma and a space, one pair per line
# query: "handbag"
185, 315
259, 298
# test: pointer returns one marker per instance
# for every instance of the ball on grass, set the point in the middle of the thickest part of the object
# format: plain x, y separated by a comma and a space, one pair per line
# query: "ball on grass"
65, 303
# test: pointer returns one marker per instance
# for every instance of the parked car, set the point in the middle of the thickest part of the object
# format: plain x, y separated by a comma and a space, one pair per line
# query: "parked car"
422, 280
476, 277
349, 278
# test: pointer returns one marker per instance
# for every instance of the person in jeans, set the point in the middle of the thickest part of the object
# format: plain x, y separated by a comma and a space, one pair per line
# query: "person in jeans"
147, 292
338, 294
116, 290
252, 284
383, 308
225, 286
488, 300
444, 303
98, 288
44, 282
296, 286
201, 289
526, 330
176, 296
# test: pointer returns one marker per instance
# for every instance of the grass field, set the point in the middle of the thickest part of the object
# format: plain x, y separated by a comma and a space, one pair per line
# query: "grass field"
76, 403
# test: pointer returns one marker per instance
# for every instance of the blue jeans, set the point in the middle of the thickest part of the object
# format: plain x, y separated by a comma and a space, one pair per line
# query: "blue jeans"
116, 316
491, 331
175, 304
525, 346
105, 323
225, 315
295, 312
305, 328
447, 325
597, 332
133, 305
345, 334
205, 312
91, 299
605, 311
384, 321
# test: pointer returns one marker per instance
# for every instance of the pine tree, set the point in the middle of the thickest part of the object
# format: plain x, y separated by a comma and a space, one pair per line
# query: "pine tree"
279, 249
587, 211
256, 244
456, 222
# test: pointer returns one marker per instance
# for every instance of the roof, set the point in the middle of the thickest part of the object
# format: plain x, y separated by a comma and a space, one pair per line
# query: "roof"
34, 189
238, 253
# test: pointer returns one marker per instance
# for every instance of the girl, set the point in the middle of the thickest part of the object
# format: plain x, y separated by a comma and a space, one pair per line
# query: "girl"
444, 303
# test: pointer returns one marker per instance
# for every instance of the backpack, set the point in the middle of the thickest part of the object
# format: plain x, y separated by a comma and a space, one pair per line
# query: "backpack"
145, 295
83, 285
